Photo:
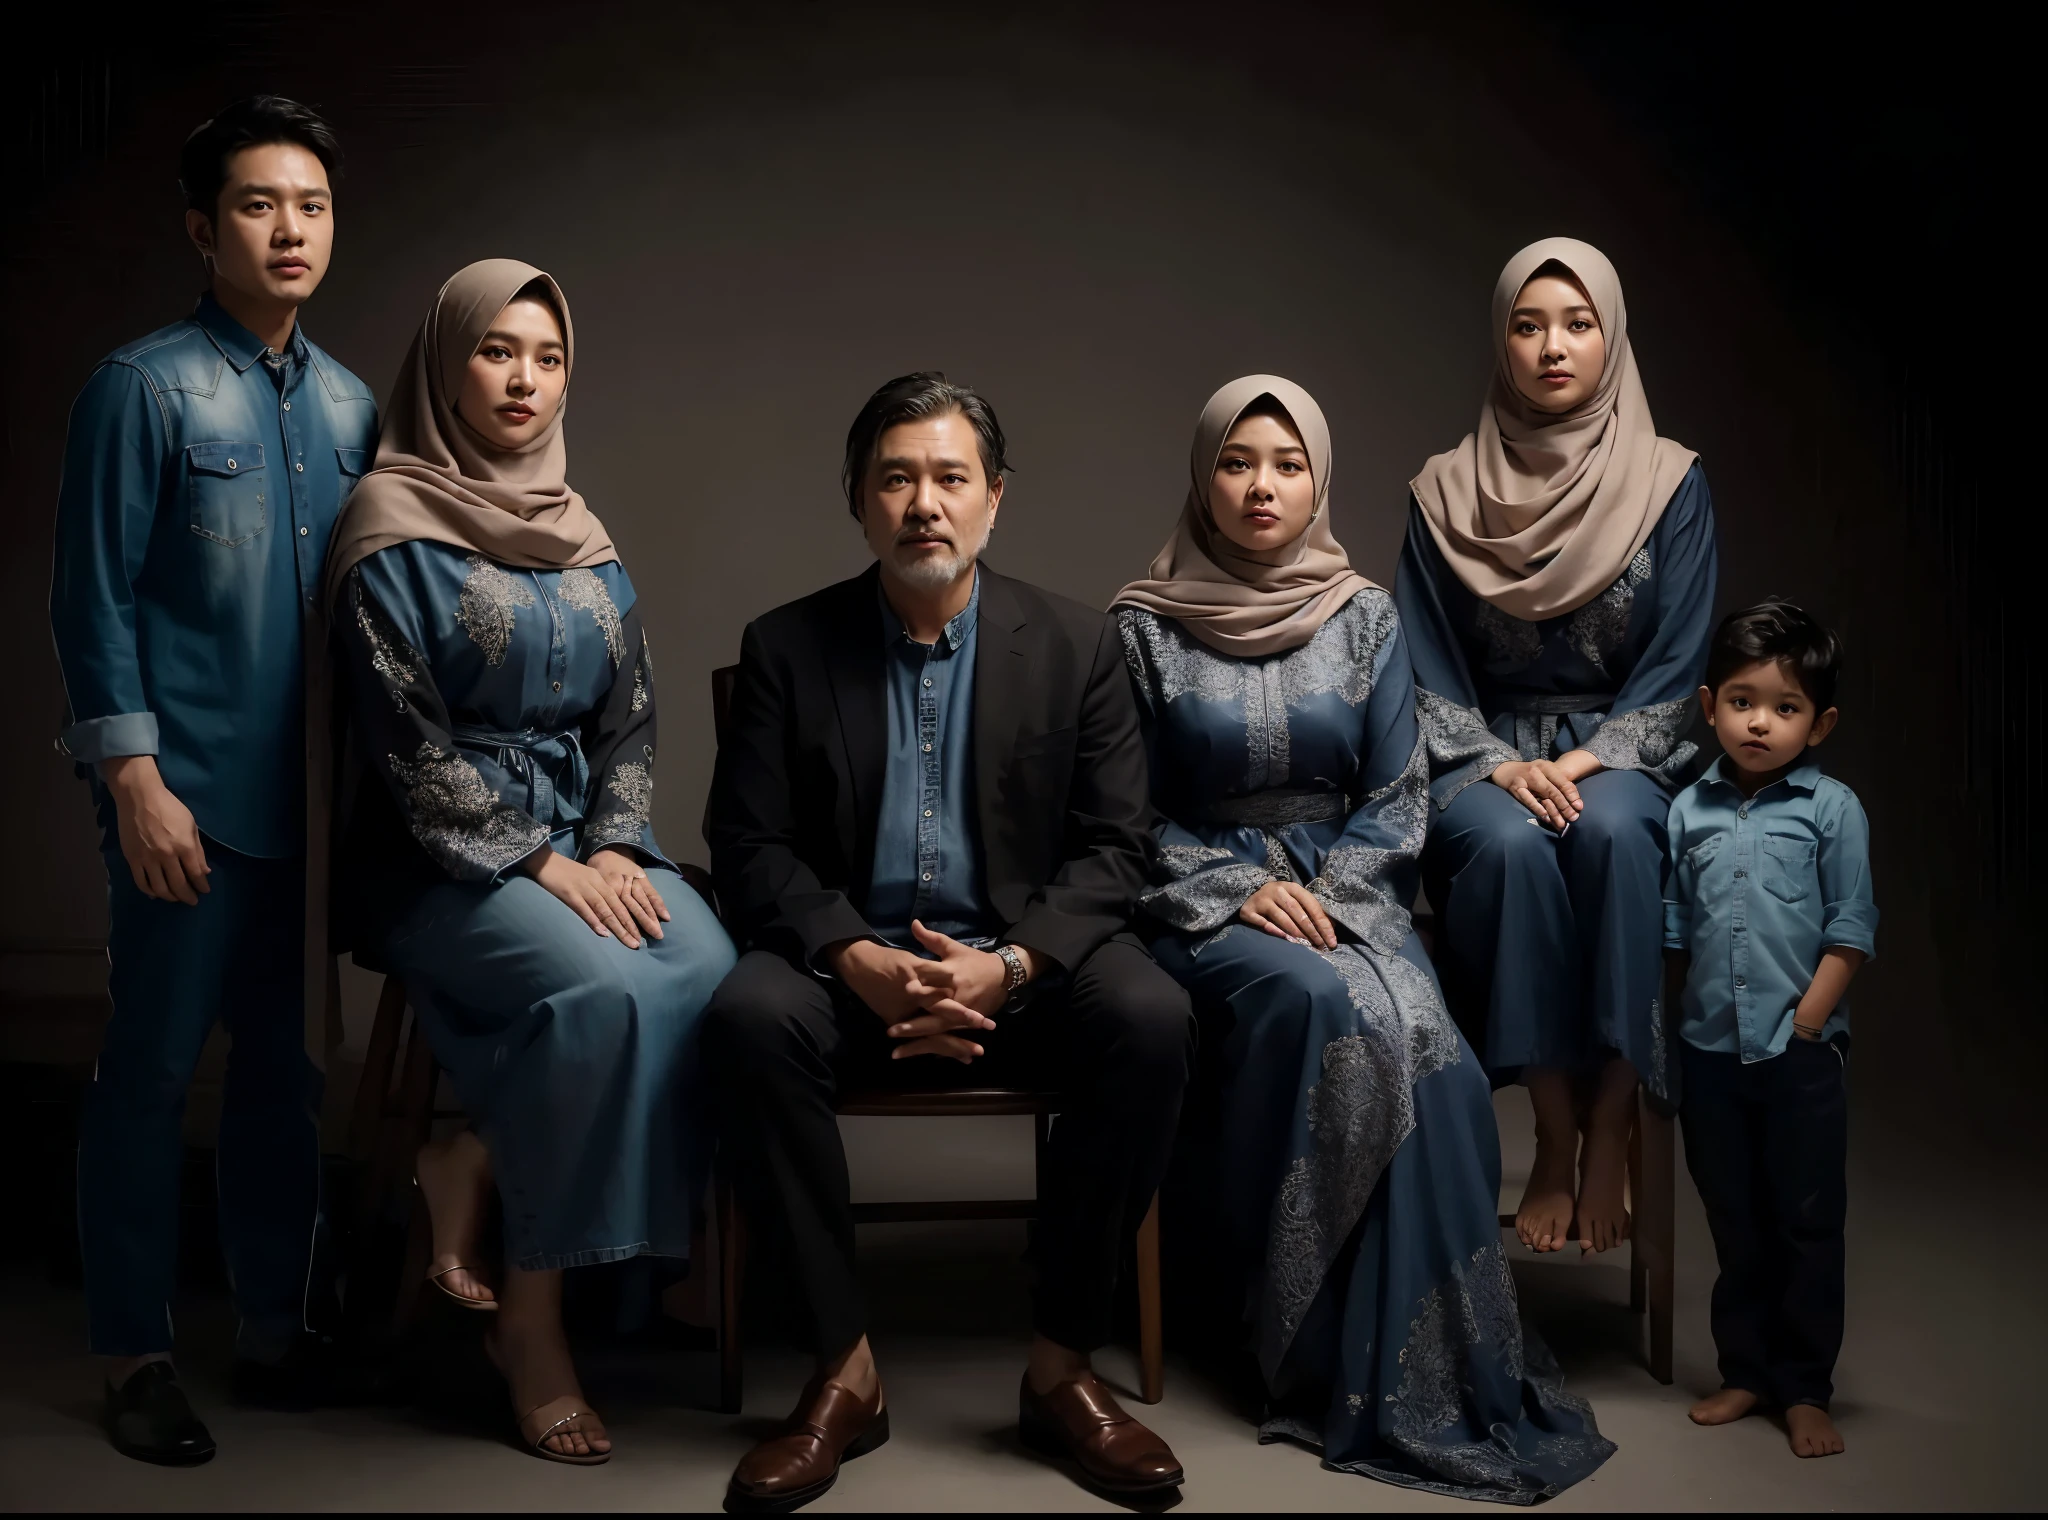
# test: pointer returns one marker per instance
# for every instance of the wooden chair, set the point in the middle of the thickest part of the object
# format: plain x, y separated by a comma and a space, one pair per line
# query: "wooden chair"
954, 1104
394, 1116
1652, 1182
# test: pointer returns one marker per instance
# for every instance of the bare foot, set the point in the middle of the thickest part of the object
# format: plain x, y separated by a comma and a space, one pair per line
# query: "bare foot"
537, 1367
1543, 1222
455, 1179
1813, 1433
1723, 1408
1603, 1220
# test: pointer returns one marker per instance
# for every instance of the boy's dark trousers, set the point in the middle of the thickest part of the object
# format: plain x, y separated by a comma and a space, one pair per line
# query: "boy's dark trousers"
1767, 1144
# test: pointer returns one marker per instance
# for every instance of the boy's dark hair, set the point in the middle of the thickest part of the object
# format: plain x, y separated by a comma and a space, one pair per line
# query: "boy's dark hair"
1787, 634
203, 162
927, 393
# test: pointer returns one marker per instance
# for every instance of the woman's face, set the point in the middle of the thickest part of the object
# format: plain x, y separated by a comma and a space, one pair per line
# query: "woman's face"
513, 384
1556, 349
1262, 495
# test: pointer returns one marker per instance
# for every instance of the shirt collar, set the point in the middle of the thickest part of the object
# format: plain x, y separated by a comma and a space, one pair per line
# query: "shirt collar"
1803, 777
957, 628
242, 347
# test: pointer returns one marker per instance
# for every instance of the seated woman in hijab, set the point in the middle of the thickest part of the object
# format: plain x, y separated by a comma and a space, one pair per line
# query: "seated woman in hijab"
1358, 1169
502, 856
1557, 586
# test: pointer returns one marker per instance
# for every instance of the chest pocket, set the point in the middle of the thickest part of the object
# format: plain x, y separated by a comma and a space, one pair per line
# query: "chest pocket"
225, 490
1701, 855
354, 465
1788, 867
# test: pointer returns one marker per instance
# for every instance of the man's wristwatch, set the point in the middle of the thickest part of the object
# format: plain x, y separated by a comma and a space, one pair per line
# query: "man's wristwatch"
1016, 964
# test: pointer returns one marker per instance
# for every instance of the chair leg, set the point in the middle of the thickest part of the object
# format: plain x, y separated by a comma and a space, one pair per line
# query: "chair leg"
412, 1126
1657, 1230
412, 1273
732, 1262
1638, 1263
1151, 1340
379, 1062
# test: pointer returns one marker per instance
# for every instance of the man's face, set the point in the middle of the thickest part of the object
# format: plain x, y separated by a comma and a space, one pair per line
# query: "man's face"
273, 229
1764, 718
927, 504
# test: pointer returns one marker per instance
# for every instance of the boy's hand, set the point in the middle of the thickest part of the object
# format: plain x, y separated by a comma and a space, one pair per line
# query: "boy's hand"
159, 836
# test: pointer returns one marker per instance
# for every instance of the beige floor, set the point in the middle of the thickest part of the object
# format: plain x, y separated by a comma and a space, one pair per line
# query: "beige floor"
1940, 1388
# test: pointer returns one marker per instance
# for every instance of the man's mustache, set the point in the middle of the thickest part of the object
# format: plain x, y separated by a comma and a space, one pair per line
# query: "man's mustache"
922, 536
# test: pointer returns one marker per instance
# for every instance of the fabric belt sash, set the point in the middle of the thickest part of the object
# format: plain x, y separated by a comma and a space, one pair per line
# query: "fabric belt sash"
556, 776
1270, 809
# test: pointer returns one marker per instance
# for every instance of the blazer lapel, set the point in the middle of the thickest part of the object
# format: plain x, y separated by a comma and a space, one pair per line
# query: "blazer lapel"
1001, 678
854, 661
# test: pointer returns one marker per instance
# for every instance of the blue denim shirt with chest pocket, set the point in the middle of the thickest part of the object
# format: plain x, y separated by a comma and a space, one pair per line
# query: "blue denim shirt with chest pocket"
202, 478
1758, 888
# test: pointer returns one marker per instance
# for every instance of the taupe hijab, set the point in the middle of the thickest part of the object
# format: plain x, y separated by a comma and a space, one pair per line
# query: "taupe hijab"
1536, 512
1241, 602
435, 477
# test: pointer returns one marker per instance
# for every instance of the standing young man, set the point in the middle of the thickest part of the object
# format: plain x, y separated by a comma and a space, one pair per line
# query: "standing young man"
203, 472
929, 825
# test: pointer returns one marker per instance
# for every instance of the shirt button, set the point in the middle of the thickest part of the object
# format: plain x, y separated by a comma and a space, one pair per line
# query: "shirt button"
927, 680
302, 532
287, 406
927, 749
1742, 812
1740, 982
300, 468
1740, 874
927, 812
231, 464
927, 876
558, 686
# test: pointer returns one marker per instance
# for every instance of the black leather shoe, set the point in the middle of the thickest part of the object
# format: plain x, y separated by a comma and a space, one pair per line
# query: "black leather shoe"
149, 1418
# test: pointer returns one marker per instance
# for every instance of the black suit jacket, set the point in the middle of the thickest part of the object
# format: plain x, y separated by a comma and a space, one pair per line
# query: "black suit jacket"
1059, 772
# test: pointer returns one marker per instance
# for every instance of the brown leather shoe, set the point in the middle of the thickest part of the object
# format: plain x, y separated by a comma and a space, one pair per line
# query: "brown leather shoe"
1082, 1424
830, 1425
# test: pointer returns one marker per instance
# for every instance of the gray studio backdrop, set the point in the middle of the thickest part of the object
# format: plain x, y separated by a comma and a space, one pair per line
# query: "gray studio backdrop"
1094, 222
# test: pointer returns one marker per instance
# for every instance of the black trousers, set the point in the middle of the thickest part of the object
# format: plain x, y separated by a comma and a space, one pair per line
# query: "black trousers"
1116, 1039
1768, 1147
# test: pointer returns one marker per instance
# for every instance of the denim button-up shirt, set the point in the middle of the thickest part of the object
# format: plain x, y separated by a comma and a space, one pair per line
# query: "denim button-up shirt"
928, 863
202, 478
1758, 888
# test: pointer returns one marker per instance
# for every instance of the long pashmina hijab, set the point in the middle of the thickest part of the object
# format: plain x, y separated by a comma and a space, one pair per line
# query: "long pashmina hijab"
1539, 512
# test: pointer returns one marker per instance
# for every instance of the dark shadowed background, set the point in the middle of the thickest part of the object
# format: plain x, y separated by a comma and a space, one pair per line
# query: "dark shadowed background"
1096, 217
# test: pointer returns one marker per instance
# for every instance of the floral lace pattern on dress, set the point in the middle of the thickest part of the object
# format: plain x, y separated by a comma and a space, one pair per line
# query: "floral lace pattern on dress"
459, 819
490, 600
583, 590
630, 790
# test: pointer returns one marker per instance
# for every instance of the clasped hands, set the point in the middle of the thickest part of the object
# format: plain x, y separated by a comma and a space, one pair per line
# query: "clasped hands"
1548, 788
934, 1007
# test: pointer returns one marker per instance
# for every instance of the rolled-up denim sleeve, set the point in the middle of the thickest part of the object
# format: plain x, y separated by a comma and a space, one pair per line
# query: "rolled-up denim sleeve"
1678, 882
1849, 908
106, 508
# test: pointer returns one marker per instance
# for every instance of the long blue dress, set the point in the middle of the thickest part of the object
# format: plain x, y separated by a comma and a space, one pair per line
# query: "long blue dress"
500, 711
1551, 947
1358, 1166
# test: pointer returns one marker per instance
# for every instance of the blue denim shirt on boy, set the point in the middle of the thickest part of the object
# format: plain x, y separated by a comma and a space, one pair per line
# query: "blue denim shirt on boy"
1758, 888
202, 479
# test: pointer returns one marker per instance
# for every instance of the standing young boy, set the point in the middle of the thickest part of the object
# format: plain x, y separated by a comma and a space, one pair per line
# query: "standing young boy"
205, 466
1767, 916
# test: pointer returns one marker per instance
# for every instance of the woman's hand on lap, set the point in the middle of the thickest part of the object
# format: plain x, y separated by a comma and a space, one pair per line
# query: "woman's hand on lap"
628, 880
586, 890
1288, 910
1543, 788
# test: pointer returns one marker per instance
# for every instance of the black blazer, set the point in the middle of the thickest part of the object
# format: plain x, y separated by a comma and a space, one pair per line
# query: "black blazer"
1059, 772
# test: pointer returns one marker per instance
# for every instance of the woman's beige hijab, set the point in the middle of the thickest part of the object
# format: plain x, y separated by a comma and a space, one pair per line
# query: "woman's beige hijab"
436, 478
1536, 512
1241, 602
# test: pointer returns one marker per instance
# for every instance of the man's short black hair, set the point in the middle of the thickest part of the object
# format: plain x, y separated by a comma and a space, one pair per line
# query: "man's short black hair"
203, 162
928, 393
1777, 631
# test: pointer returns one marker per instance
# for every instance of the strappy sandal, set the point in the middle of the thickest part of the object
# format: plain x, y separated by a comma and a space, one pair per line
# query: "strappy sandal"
536, 1425
483, 1305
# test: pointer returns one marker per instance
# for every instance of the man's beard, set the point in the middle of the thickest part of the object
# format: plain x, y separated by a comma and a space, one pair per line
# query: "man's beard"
934, 570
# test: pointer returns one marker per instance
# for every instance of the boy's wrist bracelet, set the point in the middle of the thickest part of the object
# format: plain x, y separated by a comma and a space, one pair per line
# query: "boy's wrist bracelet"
1807, 1031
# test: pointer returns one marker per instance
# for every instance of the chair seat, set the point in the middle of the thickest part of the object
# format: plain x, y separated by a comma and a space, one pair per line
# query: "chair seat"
951, 1102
